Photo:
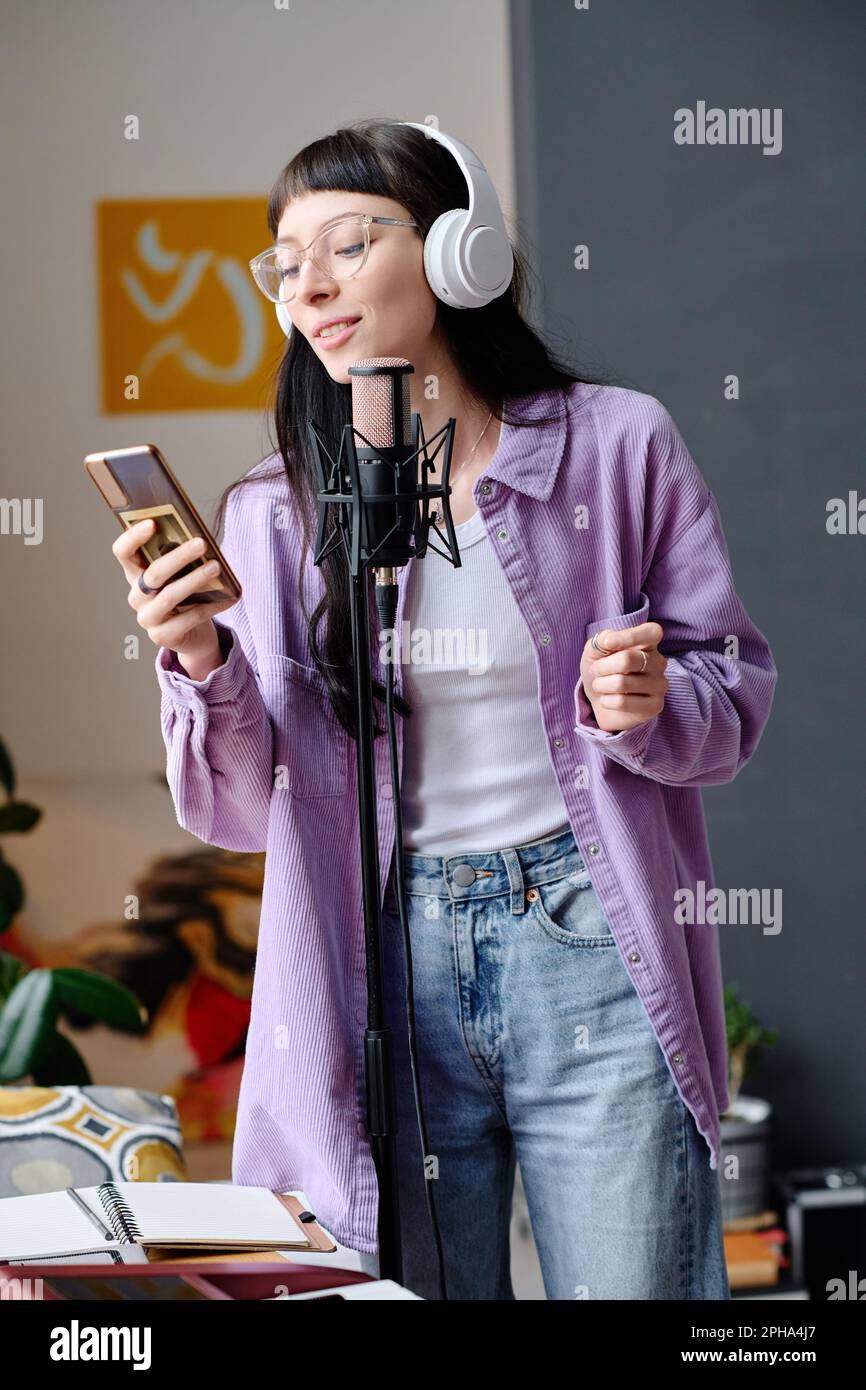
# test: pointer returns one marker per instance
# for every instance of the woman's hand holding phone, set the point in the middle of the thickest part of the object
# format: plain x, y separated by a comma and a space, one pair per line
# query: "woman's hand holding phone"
190, 631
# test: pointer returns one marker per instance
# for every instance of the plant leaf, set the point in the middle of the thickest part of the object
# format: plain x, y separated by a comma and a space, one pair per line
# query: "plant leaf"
11, 896
7, 771
26, 1022
98, 996
61, 1064
17, 817
11, 970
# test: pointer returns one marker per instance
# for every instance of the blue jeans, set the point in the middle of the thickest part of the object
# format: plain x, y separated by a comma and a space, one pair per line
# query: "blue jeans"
533, 1045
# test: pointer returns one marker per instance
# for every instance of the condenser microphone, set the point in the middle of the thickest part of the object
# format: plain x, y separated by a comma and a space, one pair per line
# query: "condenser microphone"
387, 461
369, 481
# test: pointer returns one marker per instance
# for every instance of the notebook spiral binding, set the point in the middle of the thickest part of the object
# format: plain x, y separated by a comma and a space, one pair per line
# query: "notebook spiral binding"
119, 1214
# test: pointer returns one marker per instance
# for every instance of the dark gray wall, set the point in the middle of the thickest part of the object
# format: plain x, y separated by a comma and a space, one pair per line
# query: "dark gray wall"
709, 260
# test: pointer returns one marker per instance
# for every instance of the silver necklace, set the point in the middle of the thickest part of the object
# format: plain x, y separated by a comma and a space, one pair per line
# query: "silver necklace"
436, 516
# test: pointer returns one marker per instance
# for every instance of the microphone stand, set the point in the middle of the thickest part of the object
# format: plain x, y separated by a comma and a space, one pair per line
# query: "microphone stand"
341, 487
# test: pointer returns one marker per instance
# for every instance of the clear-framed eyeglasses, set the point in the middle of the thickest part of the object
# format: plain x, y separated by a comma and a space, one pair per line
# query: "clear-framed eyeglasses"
339, 251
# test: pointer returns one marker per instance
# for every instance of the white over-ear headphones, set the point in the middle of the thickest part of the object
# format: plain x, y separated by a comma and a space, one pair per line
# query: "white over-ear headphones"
467, 254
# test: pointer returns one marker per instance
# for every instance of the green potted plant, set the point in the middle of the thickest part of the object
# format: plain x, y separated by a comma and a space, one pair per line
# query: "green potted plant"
33, 1001
744, 1162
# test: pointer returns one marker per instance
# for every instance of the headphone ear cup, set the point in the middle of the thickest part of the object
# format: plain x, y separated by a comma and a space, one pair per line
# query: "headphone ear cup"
439, 258
284, 319
472, 279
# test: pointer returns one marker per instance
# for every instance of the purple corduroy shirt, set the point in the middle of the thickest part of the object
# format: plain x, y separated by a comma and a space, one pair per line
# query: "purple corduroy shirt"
600, 520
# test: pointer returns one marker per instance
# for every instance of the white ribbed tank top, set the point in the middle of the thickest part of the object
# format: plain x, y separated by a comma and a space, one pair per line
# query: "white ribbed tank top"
476, 770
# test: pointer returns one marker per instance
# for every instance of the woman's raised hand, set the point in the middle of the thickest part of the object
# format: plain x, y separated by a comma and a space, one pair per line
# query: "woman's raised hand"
188, 631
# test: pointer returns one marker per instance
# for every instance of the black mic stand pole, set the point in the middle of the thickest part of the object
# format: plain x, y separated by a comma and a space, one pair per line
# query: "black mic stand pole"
341, 486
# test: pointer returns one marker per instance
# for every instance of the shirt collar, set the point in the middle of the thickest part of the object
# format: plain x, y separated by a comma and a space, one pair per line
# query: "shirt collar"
527, 457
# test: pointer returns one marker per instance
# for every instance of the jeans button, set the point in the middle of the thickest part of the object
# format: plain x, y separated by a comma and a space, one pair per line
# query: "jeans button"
464, 874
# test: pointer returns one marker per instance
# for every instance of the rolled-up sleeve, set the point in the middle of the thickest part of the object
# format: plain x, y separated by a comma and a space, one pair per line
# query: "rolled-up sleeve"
720, 670
218, 732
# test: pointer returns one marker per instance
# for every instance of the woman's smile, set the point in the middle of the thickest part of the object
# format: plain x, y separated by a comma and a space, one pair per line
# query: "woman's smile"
330, 339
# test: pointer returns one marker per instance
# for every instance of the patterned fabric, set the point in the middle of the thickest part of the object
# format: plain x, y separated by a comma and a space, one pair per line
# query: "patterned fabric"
53, 1137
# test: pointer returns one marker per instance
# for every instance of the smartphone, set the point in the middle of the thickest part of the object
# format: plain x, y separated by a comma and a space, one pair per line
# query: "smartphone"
137, 483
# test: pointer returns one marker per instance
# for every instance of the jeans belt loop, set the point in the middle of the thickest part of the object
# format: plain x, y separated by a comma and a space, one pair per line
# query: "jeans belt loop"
515, 878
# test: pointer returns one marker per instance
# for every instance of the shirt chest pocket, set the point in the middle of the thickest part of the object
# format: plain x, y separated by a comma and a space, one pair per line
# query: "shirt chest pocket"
311, 754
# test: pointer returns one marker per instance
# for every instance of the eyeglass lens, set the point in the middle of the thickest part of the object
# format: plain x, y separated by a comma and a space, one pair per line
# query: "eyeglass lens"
339, 251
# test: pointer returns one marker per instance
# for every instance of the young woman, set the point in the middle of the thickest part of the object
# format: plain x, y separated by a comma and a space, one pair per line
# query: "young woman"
576, 680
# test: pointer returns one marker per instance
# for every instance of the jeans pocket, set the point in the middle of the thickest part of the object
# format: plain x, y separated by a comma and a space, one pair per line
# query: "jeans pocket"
569, 910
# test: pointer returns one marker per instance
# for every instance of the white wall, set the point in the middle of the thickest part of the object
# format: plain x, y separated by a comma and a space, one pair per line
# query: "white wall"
226, 91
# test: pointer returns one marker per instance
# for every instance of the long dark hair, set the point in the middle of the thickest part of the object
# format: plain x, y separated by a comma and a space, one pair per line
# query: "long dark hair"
496, 352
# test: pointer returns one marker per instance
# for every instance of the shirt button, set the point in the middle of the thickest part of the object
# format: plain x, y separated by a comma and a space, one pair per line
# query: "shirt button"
502, 533
386, 789
633, 955
485, 488
545, 637
678, 1057
559, 742
592, 849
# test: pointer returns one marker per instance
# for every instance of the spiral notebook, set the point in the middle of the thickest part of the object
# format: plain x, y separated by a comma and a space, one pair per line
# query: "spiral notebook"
184, 1214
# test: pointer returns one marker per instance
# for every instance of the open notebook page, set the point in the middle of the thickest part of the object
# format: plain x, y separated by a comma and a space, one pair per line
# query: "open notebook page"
184, 1213
48, 1223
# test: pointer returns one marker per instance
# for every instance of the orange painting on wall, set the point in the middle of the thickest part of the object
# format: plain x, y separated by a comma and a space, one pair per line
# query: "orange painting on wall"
182, 324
